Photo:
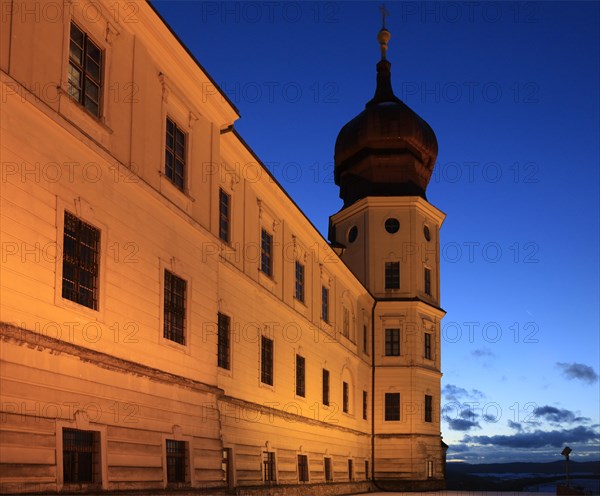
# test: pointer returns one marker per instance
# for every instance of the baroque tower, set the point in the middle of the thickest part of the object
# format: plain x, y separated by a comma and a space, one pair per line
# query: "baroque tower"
388, 234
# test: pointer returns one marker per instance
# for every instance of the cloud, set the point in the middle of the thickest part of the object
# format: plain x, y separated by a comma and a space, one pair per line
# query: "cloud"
558, 415
455, 393
578, 371
482, 352
463, 425
465, 420
515, 425
538, 438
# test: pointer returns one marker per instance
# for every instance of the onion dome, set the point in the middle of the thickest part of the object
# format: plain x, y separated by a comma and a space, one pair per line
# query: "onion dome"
387, 149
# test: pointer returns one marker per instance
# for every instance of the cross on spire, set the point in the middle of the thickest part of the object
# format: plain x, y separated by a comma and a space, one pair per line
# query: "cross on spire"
384, 14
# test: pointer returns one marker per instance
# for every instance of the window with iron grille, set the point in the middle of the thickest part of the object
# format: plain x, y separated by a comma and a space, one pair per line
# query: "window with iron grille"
81, 254
324, 304
325, 387
266, 361
345, 322
174, 308
428, 408
300, 376
327, 467
303, 468
81, 456
224, 215
84, 78
365, 405
392, 342
427, 280
299, 281
350, 469
175, 161
266, 253
345, 397
176, 461
223, 323
269, 469
392, 406
427, 346
392, 275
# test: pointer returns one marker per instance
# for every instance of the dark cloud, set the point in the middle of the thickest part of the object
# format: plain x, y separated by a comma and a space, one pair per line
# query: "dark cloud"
455, 393
482, 352
515, 425
538, 438
463, 425
578, 371
464, 419
558, 415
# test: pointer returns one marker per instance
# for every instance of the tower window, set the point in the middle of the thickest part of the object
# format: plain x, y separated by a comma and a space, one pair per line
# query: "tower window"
325, 387
352, 234
324, 304
224, 215
175, 154
84, 78
345, 397
392, 406
174, 308
176, 461
365, 340
392, 342
223, 341
365, 405
300, 376
427, 346
81, 457
392, 225
392, 275
303, 468
299, 281
81, 245
428, 408
427, 280
266, 361
266, 253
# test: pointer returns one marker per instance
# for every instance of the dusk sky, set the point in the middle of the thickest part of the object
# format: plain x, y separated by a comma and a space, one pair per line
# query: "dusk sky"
512, 93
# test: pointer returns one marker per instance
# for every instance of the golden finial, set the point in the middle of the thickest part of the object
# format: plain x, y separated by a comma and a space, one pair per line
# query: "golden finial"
384, 35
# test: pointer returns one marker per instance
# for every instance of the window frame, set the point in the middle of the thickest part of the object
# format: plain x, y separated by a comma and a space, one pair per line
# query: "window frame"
266, 252
325, 304
392, 342
365, 404
299, 293
391, 409
95, 459
267, 352
172, 151
300, 376
427, 281
168, 310
223, 341
350, 469
269, 467
224, 216
345, 397
303, 472
428, 408
181, 462
392, 275
325, 383
427, 348
327, 469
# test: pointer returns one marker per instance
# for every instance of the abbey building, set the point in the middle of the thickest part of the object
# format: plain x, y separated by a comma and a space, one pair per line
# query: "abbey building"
167, 323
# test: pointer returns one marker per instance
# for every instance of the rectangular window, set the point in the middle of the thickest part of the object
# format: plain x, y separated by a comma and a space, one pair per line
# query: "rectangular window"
300, 376
269, 469
350, 469
266, 253
299, 281
365, 405
303, 468
429, 469
345, 322
266, 361
427, 281
392, 275
392, 342
224, 215
427, 348
367, 470
325, 387
175, 154
84, 78
327, 467
345, 397
174, 321
324, 304
365, 340
176, 461
81, 457
224, 323
428, 408
81, 254
392, 406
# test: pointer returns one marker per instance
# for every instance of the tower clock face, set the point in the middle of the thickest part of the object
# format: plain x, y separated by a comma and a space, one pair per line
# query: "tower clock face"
392, 225
352, 234
426, 233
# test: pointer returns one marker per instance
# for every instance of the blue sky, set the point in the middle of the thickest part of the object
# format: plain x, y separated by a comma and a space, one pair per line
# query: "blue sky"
511, 90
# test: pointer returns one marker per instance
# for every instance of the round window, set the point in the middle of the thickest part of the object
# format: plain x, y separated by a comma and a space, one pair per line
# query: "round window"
392, 225
352, 234
426, 233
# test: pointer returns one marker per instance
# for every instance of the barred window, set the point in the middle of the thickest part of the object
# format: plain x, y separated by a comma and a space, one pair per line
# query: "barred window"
175, 161
300, 376
324, 304
224, 215
303, 468
174, 308
392, 275
176, 461
81, 456
428, 408
223, 323
84, 78
327, 467
345, 397
269, 469
81, 253
392, 342
299, 281
427, 346
427, 280
266, 361
392, 406
266, 253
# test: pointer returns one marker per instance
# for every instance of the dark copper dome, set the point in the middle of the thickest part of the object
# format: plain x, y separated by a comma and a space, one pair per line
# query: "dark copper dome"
386, 150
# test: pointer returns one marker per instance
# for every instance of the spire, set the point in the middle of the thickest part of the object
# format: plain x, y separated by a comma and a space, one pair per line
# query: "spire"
383, 91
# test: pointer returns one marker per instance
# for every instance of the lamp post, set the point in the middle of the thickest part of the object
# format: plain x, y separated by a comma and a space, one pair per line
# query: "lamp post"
566, 452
